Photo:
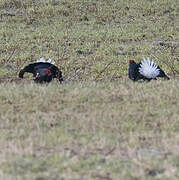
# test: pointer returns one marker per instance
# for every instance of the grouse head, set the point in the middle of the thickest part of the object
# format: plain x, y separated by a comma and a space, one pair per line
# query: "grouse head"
43, 75
131, 61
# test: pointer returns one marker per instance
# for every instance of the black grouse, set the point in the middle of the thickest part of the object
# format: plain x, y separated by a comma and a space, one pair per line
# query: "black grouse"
43, 71
146, 70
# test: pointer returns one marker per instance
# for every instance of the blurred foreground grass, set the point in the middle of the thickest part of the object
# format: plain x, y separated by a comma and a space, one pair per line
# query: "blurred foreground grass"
89, 130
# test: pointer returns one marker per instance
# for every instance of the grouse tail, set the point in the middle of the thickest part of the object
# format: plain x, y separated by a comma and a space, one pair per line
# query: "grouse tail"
45, 61
149, 69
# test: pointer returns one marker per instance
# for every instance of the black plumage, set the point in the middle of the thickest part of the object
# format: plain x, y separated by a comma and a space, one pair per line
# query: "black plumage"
146, 70
42, 72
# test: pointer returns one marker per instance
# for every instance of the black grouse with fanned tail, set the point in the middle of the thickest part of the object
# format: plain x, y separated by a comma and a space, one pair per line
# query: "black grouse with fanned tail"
146, 70
43, 71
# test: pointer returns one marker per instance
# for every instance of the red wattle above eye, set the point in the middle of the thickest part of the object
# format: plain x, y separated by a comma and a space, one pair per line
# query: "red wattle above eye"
131, 60
47, 71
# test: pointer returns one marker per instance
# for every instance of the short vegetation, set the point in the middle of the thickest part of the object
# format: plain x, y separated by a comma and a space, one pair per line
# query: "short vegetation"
100, 126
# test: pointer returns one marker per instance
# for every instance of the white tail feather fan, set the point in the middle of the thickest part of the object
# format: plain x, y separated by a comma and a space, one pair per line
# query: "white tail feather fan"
149, 68
46, 61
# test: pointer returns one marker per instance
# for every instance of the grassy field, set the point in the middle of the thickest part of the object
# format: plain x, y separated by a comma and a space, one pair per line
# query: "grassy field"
101, 126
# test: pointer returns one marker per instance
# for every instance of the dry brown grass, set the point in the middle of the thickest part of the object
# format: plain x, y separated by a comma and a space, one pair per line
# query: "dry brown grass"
89, 130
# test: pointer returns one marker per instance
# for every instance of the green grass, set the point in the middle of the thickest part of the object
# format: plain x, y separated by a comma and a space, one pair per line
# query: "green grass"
118, 129
102, 125
105, 31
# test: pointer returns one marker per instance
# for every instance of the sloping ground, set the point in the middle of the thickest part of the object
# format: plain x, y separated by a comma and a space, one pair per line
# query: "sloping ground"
89, 130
